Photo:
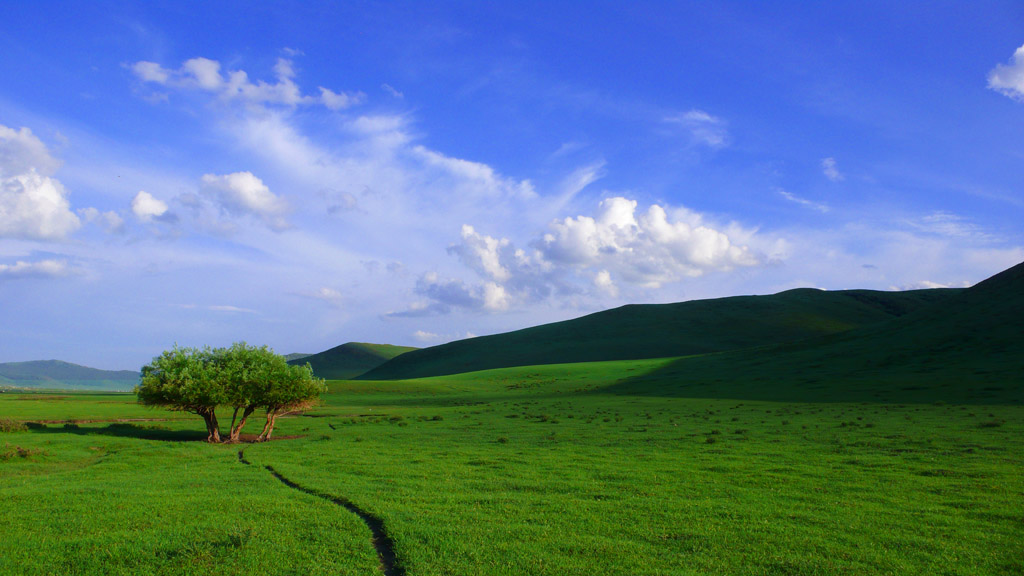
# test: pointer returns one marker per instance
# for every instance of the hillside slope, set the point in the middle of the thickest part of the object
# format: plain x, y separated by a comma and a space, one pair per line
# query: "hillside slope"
351, 359
968, 349
666, 330
58, 374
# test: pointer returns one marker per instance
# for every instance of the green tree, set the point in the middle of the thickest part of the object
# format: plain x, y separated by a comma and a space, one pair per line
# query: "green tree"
185, 380
295, 389
251, 374
242, 377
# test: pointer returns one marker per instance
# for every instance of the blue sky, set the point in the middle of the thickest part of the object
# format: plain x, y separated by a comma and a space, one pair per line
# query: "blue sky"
303, 176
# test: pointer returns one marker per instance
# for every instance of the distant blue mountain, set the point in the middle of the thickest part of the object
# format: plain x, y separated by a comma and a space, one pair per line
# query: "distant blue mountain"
55, 374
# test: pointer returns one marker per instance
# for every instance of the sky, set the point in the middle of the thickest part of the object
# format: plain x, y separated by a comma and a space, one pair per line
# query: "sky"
302, 175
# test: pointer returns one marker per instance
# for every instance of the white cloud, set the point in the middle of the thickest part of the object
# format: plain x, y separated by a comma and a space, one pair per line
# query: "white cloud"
111, 221
928, 284
22, 152
475, 175
145, 207
391, 90
340, 100
40, 269
831, 170
432, 338
704, 128
205, 74
424, 336
803, 202
1008, 79
649, 248
242, 193
229, 308
33, 205
482, 253
603, 282
582, 254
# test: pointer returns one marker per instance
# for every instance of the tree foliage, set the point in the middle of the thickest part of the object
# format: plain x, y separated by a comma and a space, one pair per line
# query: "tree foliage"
242, 377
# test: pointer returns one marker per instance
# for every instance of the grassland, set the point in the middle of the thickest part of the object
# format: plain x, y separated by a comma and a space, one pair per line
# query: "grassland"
894, 446
538, 470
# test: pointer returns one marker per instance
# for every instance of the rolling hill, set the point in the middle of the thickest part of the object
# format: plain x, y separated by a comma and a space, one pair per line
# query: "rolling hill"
666, 330
968, 348
64, 375
351, 359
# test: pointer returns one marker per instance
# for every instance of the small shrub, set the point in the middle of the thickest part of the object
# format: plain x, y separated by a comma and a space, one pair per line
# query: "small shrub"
437, 418
7, 425
990, 424
502, 440
710, 440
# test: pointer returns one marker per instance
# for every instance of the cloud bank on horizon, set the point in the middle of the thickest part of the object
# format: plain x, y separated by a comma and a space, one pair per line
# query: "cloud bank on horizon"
448, 180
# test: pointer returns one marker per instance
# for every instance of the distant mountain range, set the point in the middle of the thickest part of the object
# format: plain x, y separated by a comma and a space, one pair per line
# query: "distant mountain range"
64, 375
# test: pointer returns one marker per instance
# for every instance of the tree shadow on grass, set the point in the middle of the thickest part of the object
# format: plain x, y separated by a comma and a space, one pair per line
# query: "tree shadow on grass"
121, 430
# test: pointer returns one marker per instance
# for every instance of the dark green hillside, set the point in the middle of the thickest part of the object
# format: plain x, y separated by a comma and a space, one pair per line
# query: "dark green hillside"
58, 374
666, 330
966, 349
351, 359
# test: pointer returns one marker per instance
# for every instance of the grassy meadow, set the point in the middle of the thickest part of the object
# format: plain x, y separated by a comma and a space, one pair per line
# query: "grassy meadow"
557, 469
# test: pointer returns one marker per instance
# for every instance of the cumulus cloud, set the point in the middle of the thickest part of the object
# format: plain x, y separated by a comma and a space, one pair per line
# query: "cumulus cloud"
704, 128
40, 269
242, 193
234, 85
586, 254
831, 170
649, 248
33, 205
145, 207
1008, 79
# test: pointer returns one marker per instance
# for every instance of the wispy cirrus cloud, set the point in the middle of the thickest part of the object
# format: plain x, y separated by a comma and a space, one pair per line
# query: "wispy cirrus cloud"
704, 129
803, 201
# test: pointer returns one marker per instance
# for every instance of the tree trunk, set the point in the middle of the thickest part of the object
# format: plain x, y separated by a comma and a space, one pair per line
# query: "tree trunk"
234, 415
268, 428
212, 427
237, 431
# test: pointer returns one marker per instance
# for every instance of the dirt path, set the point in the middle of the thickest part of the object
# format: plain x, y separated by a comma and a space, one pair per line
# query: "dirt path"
383, 543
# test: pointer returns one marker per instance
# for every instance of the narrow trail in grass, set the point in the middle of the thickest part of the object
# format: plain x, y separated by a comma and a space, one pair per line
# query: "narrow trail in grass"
383, 543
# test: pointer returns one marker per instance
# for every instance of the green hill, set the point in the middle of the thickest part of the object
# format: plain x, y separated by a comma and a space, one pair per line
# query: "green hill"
968, 348
666, 330
351, 359
64, 375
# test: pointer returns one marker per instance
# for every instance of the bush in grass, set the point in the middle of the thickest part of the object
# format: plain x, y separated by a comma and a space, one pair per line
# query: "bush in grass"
8, 425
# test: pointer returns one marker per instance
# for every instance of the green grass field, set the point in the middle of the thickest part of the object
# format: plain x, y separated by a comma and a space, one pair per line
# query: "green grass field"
539, 470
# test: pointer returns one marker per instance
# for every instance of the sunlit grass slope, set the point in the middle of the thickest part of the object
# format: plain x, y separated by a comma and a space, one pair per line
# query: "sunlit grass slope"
664, 330
968, 348
351, 359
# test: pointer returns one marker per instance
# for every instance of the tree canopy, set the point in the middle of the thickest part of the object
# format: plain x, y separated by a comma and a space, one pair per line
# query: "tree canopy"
242, 377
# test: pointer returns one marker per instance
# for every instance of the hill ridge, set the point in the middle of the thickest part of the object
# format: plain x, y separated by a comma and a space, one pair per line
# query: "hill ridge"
638, 331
